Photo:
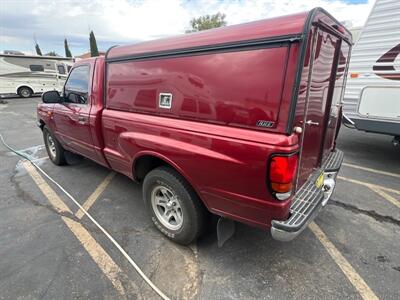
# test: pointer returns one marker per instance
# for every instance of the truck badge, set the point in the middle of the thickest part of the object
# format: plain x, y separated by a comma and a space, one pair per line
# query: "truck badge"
165, 100
264, 123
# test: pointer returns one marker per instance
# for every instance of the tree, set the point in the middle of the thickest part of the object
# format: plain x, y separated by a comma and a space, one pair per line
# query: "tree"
37, 48
51, 53
93, 45
67, 51
207, 22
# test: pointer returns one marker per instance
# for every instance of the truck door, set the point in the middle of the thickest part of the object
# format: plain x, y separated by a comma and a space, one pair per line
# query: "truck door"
322, 68
71, 118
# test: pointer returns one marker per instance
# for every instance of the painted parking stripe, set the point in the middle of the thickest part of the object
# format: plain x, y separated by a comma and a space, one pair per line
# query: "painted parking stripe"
371, 170
98, 254
356, 280
388, 197
110, 269
50, 194
367, 184
93, 197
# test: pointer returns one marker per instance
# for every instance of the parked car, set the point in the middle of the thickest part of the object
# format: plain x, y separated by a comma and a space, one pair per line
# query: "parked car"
239, 122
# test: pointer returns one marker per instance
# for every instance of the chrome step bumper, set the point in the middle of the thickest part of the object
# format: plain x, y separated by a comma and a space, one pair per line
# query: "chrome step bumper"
308, 200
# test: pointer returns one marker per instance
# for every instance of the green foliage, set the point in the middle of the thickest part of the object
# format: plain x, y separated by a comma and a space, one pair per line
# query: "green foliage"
51, 53
94, 51
207, 22
38, 51
67, 51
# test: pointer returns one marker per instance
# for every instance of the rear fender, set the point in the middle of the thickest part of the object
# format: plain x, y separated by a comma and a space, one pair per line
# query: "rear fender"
136, 145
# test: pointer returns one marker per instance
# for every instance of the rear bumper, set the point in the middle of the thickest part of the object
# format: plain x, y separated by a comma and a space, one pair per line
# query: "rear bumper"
383, 126
308, 200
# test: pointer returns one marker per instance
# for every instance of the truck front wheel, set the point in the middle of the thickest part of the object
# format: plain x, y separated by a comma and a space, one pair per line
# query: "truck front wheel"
173, 205
54, 149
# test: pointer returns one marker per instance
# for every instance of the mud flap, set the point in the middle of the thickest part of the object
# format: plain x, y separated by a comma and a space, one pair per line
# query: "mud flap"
225, 230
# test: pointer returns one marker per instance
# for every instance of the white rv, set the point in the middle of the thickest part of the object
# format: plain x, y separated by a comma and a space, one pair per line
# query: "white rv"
27, 75
372, 96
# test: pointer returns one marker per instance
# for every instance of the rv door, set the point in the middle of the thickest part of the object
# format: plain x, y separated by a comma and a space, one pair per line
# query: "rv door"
61, 76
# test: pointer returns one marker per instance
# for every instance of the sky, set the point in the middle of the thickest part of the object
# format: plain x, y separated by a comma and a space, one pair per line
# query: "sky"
118, 22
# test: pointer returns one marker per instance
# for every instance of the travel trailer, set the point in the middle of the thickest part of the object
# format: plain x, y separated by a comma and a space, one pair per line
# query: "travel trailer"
27, 75
372, 96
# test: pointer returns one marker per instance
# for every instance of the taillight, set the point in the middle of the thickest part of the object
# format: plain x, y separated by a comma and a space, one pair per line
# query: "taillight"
282, 172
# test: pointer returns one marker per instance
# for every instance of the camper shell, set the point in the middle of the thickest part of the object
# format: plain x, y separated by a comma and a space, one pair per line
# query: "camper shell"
246, 115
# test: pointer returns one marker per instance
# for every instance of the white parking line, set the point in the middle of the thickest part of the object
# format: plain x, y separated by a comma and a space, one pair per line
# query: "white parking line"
371, 170
356, 280
110, 269
93, 197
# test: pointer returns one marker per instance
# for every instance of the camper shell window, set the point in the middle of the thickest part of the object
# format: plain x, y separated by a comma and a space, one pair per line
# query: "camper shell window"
37, 68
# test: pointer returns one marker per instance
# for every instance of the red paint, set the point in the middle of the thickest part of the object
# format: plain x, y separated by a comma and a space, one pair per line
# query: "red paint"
210, 134
279, 26
199, 92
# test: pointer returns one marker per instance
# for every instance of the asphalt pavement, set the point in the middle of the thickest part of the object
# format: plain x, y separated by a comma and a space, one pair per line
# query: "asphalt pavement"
48, 250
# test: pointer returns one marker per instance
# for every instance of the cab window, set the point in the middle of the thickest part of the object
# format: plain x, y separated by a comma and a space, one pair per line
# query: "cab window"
77, 85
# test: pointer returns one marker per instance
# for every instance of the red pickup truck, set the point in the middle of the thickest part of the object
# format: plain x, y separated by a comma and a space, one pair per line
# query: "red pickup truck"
238, 121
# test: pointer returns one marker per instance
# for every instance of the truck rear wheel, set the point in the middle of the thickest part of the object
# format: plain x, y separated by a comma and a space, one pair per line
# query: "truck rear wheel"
54, 149
173, 205
25, 92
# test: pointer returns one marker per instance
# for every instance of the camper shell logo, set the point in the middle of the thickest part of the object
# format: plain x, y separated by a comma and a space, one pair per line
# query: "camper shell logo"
165, 100
265, 123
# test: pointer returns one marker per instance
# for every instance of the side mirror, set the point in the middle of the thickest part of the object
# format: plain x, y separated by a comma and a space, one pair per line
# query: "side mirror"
51, 97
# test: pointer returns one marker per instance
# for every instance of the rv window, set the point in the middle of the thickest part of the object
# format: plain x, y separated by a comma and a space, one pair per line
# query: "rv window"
61, 69
69, 68
36, 68
76, 87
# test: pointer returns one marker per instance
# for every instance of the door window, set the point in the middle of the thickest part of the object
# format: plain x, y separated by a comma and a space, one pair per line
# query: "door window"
76, 87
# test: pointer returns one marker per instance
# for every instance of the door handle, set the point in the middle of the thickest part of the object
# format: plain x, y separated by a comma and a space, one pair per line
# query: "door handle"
310, 122
82, 120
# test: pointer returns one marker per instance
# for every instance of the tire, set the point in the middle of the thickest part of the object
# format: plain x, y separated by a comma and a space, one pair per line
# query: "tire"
166, 190
25, 92
54, 149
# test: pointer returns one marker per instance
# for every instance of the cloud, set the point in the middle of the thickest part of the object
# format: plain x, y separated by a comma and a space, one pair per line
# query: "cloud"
130, 21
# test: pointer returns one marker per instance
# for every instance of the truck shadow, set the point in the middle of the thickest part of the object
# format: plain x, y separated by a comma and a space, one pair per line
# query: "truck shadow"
369, 149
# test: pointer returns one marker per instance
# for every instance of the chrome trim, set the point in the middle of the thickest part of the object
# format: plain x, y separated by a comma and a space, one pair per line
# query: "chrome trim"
308, 200
283, 196
329, 186
348, 120
311, 122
